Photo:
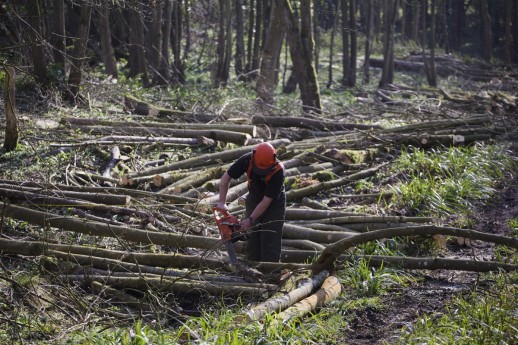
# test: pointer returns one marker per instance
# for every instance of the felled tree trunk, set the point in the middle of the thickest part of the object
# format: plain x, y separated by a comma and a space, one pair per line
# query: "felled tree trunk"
327, 258
329, 291
281, 302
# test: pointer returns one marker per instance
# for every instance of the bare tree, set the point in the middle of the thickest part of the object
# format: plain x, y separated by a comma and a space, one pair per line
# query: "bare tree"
11, 123
58, 35
300, 41
266, 80
110, 64
369, 23
240, 39
79, 53
35, 35
487, 33
224, 48
389, 15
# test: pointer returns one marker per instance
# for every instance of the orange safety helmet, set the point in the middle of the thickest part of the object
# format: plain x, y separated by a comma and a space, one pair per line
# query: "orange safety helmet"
264, 157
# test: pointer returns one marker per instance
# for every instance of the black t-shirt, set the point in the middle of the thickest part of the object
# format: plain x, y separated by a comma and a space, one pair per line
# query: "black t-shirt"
258, 187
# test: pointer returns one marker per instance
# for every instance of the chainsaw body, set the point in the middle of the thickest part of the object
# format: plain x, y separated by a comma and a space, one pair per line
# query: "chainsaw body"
227, 226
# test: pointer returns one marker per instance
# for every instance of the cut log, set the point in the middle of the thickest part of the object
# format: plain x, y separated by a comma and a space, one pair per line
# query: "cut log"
248, 129
279, 303
318, 187
329, 291
181, 287
300, 232
327, 258
115, 156
194, 180
139, 107
301, 122
215, 134
203, 160
99, 200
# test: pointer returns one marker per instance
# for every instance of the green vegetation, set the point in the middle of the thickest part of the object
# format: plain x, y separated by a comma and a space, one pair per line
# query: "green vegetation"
451, 181
487, 315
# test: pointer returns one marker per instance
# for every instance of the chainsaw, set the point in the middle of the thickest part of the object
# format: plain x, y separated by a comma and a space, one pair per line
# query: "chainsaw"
229, 229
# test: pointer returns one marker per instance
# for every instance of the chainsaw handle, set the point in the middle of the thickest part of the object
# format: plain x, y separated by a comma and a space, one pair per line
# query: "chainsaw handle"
224, 212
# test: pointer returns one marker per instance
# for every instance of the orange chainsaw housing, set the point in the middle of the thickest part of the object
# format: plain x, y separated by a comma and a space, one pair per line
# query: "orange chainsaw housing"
227, 223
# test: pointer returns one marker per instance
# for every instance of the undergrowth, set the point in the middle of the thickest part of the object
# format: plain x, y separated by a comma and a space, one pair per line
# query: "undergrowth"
487, 315
444, 182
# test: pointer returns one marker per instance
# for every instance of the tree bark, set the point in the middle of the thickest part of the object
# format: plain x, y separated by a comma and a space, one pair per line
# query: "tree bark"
11, 122
300, 41
224, 45
110, 65
58, 36
329, 291
276, 304
327, 258
390, 14
369, 14
79, 54
203, 160
36, 38
487, 33
266, 81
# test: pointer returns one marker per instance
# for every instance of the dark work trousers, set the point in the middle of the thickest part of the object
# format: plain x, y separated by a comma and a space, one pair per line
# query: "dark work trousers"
265, 238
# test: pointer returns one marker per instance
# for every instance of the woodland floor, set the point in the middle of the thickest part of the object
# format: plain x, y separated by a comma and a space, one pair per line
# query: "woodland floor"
400, 306
404, 306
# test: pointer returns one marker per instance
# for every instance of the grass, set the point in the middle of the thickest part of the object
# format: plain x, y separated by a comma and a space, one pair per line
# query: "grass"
484, 316
441, 183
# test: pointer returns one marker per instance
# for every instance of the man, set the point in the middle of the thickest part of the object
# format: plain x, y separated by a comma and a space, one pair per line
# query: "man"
265, 202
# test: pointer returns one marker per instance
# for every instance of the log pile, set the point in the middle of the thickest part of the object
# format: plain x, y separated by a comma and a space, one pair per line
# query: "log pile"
155, 214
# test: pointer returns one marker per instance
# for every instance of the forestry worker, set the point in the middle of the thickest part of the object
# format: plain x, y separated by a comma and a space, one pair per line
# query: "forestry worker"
265, 202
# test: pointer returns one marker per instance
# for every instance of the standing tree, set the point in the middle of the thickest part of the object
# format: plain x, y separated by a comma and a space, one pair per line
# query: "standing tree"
240, 39
369, 23
11, 124
137, 54
507, 38
224, 48
389, 21
431, 72
487, 33
110, 64
349, 37
36, 40
267, 79
165, 61
58, 35
79, 53
177, 21
300, 41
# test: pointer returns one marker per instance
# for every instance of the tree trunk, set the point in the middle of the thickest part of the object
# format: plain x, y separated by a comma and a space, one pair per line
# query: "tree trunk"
346, 56
239, 64
256, 48
154, 38
487, 36
432, 73
58, 36
36, 38
165, 61
368, 40
11, 123
300, 41
110, 65
278, 303
224, 46
138, 63
332, 47
176, 40
79, 53
351, 79
390, 14
327, 259
329, 291
507, 27
266, 81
